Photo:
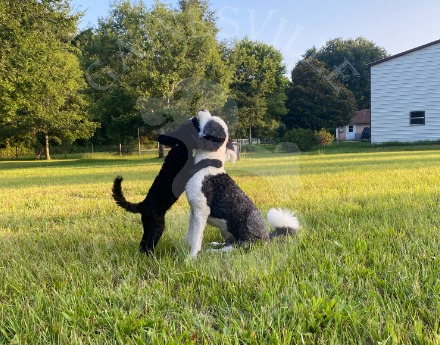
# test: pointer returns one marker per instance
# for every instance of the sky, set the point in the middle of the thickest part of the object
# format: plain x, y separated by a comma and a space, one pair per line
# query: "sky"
293, 26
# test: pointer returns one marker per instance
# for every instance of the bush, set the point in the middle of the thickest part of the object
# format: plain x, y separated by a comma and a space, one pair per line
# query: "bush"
286, 147
10, 151
324, 137
249, 148
304, 138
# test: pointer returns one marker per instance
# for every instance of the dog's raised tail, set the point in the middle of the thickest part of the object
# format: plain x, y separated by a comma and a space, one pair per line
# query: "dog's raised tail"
284, 222
120, 198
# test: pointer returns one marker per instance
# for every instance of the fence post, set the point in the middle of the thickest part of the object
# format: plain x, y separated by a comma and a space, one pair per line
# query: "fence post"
139, 143
120, 149
237, 146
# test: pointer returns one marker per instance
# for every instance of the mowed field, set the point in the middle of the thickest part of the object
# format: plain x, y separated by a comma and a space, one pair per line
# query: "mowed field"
364, 268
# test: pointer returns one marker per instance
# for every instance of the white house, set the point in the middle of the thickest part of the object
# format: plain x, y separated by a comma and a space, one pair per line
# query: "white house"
353, 130
405, 96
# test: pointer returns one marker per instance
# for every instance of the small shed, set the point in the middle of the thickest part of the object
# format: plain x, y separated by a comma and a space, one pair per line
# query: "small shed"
353, 130
405, 96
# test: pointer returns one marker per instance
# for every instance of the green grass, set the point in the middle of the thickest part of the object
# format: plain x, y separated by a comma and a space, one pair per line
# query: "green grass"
364, 268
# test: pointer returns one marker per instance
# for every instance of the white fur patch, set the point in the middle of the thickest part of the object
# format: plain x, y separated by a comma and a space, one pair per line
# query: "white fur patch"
203, 116
223, 249
199, 208
279, 218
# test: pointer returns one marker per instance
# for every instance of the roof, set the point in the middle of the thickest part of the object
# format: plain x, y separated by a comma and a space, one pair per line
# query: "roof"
403, 53
362, 116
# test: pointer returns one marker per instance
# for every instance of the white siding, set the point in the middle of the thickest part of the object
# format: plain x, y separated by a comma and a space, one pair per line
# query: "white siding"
410, 82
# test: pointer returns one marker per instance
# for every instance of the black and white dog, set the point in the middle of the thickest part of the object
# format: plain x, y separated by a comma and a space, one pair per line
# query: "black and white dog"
215, 198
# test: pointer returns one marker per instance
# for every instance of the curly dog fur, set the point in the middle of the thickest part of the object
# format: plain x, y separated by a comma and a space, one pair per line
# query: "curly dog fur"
215, 198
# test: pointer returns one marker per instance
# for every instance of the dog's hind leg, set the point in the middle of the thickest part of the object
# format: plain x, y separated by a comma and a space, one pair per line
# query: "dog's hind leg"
154, 226
222, 225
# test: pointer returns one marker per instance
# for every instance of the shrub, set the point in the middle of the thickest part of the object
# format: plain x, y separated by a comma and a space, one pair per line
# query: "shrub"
10, 151
286, 147
249, 148
324, 137
304, 138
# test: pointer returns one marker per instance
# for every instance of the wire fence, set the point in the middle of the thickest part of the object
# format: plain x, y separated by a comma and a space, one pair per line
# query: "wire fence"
64, 152
60, 152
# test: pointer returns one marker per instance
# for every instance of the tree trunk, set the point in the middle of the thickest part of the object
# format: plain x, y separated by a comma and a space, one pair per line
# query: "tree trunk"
47, 147
161, 151
160, 147
250, 135
65, 150
139, 143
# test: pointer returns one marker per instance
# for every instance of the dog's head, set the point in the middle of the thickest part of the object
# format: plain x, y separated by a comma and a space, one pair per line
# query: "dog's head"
186, 134
204, 131
213, 132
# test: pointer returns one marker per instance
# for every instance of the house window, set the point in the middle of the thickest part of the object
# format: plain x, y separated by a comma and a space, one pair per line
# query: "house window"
350, 129
417, 118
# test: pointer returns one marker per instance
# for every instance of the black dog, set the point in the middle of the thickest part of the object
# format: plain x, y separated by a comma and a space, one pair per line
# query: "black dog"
169, 184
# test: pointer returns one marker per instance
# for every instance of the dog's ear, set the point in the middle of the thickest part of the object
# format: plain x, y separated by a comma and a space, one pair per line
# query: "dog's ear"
168, 140
213, 136
196, 123
187, 134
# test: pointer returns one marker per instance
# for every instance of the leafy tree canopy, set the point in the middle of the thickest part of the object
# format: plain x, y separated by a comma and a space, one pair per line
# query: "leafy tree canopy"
258, 85
41, 89
146, 61
315, 102
345, 54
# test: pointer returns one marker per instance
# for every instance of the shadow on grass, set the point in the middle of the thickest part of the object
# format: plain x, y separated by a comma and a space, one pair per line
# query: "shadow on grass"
358, 147
363, 147
78, 162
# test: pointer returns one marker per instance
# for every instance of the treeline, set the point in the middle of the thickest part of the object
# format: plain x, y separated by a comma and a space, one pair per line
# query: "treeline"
143, 68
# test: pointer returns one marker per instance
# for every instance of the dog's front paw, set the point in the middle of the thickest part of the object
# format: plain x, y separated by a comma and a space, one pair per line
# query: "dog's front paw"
225, 249
145, 249
217, 244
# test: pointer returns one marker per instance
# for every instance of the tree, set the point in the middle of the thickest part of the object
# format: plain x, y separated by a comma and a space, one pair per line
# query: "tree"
148, 60
112, 56
358, 53
315, 102
258, 84
203, 8
42, 80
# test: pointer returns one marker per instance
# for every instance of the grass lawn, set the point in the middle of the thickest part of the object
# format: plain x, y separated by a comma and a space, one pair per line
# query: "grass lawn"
364, 268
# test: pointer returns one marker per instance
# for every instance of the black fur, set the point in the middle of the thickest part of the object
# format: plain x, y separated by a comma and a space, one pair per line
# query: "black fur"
245, 223
282, 232
119, 197
214, 136
168, 185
